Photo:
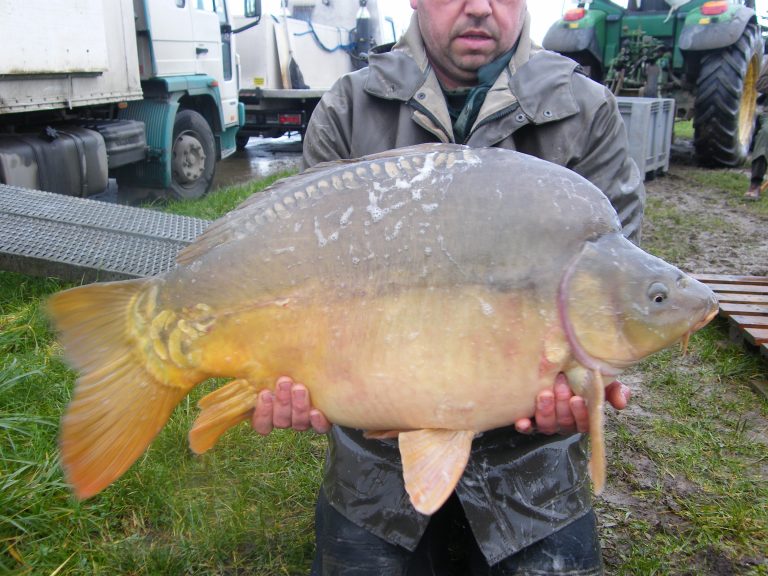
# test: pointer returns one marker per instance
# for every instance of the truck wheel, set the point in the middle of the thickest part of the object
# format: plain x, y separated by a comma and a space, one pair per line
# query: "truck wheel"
241, 141
193, 156
726, 101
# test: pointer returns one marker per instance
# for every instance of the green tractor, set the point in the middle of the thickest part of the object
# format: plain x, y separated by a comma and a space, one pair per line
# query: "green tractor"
704, 54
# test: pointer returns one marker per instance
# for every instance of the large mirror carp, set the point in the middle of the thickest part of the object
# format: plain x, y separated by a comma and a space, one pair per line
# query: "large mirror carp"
428, 293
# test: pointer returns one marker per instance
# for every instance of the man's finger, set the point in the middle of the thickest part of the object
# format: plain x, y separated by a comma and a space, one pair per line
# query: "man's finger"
300, 408
281, 414
546, 414
563, 395
262, 414
580, 413
618, 395
319, 422
524, 426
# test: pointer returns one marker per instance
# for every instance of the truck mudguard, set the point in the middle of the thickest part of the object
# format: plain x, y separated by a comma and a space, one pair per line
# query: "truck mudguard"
158, 116
714, 34
158, 112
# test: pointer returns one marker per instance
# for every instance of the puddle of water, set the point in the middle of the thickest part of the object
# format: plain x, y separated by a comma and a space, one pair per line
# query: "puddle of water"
261, 158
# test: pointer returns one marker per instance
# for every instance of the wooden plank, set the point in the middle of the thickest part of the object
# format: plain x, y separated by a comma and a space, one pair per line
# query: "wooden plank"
742, 298
730, 279
740, 288
728, 308
751, 321
756, 336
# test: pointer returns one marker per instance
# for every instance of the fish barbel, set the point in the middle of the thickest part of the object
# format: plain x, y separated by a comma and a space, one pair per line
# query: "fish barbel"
428, 293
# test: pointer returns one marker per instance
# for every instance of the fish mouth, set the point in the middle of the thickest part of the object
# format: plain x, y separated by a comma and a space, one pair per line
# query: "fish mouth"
705, 319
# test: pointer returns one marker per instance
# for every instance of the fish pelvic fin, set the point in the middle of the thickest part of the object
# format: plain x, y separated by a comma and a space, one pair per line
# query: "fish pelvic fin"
433, 462
222, 409
590, 384
119, 403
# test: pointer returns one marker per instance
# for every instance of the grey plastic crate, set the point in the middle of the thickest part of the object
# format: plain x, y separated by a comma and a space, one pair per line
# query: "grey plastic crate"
649, 123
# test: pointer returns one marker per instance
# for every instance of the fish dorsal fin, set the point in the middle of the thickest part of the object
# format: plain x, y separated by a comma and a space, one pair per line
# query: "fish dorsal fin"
433, 462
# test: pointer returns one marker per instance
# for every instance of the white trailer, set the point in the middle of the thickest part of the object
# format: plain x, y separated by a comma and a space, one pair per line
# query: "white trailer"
142, 90
288, 60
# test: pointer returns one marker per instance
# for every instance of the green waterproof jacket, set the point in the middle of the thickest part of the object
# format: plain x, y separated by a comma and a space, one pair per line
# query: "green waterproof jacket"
516, 489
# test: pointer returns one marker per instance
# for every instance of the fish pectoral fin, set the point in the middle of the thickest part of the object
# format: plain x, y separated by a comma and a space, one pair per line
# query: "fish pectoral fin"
221, 410
589, 384
433, 462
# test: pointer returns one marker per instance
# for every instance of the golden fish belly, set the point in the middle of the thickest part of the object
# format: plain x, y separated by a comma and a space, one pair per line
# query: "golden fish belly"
465, 358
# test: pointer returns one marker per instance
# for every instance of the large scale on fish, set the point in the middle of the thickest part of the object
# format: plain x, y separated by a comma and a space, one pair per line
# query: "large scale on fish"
428, 293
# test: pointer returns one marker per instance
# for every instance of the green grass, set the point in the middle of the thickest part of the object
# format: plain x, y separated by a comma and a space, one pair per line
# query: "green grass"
684, 129
733, 183
695, 469
694, 464
245, 507
689, 458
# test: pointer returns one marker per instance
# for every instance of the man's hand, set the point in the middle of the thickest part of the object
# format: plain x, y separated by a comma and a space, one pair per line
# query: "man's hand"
287, 407
558, 410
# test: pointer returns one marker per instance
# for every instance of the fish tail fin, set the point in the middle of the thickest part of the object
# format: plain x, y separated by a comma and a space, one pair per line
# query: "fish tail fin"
119, 405
221, 410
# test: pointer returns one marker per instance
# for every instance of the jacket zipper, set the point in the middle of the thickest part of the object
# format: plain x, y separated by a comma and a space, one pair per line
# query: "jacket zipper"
495, 116
424, 110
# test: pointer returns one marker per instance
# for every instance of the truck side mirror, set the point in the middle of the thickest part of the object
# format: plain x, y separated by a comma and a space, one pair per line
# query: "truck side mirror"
252, 8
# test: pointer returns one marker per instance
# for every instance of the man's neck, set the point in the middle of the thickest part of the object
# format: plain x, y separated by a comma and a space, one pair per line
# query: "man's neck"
449, 82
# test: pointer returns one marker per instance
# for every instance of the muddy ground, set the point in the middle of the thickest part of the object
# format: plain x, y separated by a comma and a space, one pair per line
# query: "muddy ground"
740, 247
735, 243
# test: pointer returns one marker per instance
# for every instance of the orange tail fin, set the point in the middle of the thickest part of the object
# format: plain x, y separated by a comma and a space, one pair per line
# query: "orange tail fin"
118, 405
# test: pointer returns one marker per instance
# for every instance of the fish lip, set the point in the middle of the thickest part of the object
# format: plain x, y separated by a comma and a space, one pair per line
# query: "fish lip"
706, 319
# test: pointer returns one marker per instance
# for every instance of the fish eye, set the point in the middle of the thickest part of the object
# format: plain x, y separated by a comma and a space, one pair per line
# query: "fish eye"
658, 292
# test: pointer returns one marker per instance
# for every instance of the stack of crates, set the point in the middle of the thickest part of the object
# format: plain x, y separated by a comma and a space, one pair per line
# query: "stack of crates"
649, 123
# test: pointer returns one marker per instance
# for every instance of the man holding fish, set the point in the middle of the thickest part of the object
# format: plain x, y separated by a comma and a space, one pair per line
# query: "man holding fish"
466, 71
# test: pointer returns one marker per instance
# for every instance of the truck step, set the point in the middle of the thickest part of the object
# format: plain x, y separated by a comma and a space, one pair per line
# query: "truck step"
82, 240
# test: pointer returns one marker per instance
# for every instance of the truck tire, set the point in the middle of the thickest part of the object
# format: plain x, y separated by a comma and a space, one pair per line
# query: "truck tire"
726, 101
193, 156
241, 141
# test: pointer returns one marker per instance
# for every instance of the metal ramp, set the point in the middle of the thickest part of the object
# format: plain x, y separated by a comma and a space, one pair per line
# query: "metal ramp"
81, 240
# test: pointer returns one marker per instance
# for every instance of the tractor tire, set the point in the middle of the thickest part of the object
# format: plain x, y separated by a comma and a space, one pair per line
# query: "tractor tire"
726, 101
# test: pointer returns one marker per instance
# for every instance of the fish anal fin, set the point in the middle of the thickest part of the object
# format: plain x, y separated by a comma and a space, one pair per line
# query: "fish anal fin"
590, 385
382, 434
222, 409
433, 462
